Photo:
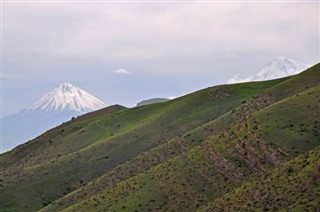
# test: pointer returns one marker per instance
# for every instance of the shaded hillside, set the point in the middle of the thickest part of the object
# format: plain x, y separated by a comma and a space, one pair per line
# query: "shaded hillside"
184, 154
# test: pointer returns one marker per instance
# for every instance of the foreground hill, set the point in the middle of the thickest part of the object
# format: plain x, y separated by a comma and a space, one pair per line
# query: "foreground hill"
200, 151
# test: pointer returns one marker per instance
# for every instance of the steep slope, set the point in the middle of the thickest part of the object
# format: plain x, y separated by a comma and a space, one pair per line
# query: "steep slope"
277, 68
97, 146
179, 155
236, 152
59, 105
294, 185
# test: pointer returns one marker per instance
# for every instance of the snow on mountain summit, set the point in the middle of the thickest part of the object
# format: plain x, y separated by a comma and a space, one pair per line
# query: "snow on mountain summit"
66, 97
277, 68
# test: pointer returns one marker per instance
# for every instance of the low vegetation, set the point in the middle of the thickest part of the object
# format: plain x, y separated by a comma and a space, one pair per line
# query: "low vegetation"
248, 146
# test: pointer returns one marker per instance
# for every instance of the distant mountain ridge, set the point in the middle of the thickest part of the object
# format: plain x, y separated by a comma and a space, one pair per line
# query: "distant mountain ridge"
57, 106
151, 101
277, 68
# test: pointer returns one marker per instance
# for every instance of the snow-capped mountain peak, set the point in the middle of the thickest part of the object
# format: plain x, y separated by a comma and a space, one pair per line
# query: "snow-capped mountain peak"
66, 97
277, 68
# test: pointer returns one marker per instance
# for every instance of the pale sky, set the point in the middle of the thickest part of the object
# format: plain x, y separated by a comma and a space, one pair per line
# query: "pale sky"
129, 51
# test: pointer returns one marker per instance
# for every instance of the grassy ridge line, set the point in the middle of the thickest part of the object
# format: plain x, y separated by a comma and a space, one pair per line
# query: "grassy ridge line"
191, 135
65, 176
53, 173
92, 124
204, 129
293, 123
83, 192
201, 111
44, 170
22, 152
82, 120
307, 103
296, 84
93, 201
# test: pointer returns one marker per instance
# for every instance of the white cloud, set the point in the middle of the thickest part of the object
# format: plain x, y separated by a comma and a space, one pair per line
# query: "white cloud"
164, 38
121, 71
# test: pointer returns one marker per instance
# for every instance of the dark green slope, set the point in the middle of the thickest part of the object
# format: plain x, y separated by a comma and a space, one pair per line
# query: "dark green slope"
242, 146
65, 158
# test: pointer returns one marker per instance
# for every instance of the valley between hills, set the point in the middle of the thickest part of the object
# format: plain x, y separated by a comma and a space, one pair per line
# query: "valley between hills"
243, 147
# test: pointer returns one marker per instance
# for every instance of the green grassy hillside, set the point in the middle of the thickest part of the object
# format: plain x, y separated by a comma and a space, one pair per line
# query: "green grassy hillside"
194, 152
294, 185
